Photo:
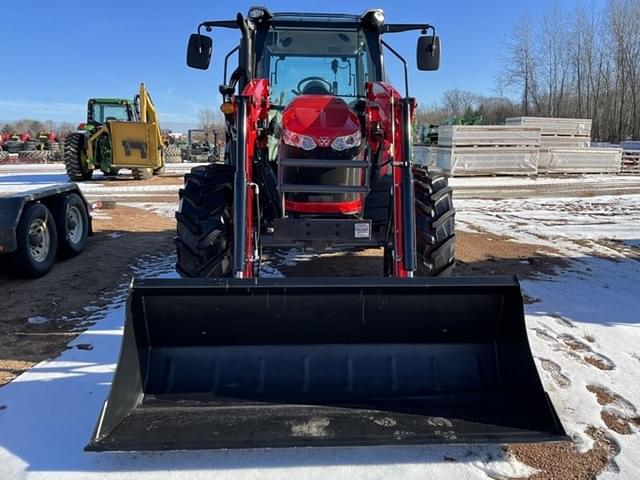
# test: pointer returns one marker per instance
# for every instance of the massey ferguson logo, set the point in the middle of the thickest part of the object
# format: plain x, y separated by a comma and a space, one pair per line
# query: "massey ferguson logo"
324, 141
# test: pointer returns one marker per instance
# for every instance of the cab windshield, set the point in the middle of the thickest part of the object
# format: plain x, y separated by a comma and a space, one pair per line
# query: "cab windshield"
103, 112
334, 62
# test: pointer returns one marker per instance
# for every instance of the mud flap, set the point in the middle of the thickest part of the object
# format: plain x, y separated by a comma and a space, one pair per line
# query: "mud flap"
324, 362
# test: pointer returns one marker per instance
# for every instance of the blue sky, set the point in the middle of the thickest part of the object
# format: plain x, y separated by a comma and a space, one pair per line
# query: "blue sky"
56, 58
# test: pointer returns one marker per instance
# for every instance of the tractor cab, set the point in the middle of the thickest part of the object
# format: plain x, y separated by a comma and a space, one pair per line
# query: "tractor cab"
102, 110
318, 69
316, 78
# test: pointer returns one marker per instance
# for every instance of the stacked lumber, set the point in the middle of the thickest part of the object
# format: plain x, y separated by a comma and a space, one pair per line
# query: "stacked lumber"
422, 155
551, 127
559, 135
630, 157
487, 150
584, 160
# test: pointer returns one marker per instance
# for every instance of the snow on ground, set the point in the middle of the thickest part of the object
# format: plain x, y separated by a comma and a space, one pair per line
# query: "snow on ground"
571, 224
525, 181
19, 178
59, 168
585, 327
584, 330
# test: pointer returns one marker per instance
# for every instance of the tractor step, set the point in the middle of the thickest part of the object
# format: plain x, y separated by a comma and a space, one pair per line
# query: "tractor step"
229, 363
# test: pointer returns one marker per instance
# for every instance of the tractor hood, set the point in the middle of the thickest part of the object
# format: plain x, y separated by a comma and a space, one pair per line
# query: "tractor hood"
321, 117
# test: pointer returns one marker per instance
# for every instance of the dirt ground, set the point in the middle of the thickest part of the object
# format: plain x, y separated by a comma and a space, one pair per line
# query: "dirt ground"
120, 236
476, 254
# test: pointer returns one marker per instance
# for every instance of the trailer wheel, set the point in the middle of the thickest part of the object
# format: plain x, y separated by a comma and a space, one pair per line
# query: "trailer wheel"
142, 173
37, 242
435, 223
204, 232
72, 222
75, 158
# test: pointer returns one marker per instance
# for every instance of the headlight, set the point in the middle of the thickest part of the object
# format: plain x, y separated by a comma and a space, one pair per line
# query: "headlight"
296, 140
346, 142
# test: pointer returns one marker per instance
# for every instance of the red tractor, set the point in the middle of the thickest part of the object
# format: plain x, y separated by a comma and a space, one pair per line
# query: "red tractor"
319, 156
338, 173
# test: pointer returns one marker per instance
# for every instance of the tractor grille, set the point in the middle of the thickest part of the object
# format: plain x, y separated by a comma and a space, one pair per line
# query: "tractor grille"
321, 179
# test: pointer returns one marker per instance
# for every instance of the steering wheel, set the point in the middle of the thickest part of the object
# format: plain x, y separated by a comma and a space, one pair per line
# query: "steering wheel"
310, 79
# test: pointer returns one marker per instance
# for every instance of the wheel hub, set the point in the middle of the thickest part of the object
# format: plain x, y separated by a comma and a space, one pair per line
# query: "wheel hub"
39, 240
74, 224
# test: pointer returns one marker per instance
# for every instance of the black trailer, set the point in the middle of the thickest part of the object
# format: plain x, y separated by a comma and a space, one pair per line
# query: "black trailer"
40, 225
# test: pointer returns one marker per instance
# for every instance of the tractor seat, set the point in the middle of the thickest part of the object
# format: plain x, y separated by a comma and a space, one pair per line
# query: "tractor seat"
315, 87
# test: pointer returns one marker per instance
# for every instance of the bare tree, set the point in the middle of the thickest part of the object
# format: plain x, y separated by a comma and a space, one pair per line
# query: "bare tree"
520, 63
554, 60
583, 63
455, 103
207, 118
210, 120
459, 102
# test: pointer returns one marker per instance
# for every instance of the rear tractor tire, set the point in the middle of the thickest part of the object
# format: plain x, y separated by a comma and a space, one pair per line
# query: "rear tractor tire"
204, 240
435, 222
74, 158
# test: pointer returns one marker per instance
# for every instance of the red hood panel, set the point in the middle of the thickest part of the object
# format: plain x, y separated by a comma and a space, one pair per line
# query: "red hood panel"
320, 116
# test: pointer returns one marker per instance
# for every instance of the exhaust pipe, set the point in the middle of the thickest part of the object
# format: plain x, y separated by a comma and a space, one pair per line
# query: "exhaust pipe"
233, 363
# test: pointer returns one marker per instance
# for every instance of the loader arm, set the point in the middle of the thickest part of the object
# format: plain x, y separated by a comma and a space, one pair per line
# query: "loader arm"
252, 113
149, 114
390, 114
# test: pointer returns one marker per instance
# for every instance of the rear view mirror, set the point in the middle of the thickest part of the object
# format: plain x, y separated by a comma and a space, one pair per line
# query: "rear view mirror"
428, 53
199, 51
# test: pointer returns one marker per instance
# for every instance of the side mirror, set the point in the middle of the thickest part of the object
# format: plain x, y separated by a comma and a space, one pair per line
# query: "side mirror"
428, 53
199, 51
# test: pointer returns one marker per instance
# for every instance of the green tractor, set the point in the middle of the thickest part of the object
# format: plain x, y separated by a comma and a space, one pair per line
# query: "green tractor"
427, 134
119, 133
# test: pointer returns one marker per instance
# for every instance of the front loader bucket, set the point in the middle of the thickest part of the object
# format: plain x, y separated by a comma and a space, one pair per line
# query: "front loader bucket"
324, 362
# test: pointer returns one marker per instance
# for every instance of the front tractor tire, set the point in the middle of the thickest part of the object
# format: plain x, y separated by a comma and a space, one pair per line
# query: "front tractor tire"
204, 242
435, 222
75, 158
